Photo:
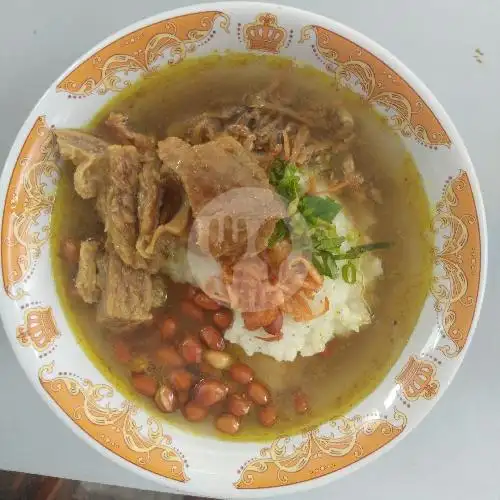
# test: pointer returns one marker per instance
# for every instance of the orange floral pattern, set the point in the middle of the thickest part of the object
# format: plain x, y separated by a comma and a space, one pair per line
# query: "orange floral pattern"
30, 196
39, 329
88, 406
354, 66
417, 379
140, 52
456, 287
317, 455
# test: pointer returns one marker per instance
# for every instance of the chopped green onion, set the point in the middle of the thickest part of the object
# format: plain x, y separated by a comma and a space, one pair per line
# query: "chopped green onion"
325, 265
349, 273
356, 252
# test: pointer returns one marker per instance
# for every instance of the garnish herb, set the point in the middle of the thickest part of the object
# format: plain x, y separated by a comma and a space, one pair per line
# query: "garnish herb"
285, 178
325, 265
349, 273
312, 207
281, 231
318, 213
356, 252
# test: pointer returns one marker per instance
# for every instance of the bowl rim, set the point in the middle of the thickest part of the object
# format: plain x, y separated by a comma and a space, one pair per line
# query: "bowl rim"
427, 96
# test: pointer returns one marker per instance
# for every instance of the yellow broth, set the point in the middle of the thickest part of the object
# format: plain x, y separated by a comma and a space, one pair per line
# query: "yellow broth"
157, 104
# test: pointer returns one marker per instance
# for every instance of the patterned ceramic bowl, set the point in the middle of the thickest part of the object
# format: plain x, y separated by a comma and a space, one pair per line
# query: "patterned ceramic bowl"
82, 396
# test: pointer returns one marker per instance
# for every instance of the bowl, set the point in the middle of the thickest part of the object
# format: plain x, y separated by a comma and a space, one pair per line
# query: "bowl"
83, 398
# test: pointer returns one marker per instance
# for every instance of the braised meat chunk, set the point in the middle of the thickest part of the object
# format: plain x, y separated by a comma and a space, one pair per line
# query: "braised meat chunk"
126, 184
89, 155
117, 125
127, 293
119, 203
216, 168
86, 278
208, 170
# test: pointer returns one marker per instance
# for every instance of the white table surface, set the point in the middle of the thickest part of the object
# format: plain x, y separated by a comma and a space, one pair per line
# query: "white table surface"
454, 453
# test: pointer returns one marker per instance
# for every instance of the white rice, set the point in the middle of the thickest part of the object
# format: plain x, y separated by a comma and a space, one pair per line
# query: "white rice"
348, 311
177, 267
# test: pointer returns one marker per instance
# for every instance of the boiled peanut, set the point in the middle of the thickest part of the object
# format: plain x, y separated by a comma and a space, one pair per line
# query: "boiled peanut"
227, 423
139, 364
217, 359
191, 349
238, 405
300, 402
194, 412
232, 386
212, 338
209, 392
268, 415
168, 328
165, 399
192, 311
181, 379
205, 302
144, 384
70, 251
223, 319
208, 370
183, 397
258, 393
168, 356
241, 373
122, 351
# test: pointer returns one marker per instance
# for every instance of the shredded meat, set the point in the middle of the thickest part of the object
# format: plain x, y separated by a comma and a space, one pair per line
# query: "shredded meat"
205, 129
351, 176
176, 156
242, 134
268, 126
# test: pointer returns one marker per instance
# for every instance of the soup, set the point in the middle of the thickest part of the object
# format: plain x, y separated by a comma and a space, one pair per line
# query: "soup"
244, 329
